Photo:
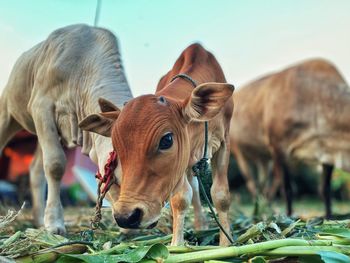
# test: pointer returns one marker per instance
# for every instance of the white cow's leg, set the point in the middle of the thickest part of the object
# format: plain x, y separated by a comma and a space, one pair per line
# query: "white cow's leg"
8, 126
54, 162
180, 203
200, 222
37, 185
220, 190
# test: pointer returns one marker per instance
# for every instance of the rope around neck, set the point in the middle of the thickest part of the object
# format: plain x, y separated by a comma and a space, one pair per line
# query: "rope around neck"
186, 77
107, 179
202, 165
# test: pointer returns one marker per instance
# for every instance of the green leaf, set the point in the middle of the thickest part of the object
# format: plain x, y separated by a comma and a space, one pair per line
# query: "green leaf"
314, 222
326, 257
156, 252
275, 226
290, 228
258, 259
252, 232
340, 232
44, 237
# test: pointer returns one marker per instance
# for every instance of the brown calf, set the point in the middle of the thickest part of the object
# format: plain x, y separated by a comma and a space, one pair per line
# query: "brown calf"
160, 137
300, 113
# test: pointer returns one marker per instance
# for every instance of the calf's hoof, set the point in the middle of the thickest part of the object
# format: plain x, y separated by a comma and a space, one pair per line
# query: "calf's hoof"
201, 224
177, 241
224, 242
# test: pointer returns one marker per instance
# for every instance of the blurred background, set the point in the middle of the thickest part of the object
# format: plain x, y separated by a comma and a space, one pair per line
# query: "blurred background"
249, 39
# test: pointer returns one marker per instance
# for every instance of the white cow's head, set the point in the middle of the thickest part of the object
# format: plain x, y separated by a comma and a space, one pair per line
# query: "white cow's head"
101, 149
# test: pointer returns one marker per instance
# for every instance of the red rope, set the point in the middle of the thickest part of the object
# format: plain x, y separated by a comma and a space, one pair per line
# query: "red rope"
109, 168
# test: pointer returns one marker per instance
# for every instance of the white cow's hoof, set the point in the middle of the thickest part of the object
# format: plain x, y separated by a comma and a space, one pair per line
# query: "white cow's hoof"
38, 223
57, 230
54, 222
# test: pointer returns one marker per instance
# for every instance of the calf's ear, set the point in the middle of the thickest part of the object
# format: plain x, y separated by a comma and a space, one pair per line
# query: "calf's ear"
100, 123
207, 100
106, 105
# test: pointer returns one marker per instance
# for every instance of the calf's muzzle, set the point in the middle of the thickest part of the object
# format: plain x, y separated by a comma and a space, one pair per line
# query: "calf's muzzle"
129, 220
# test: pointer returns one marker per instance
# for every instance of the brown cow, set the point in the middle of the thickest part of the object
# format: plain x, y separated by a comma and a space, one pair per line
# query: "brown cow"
160, 137
298, 114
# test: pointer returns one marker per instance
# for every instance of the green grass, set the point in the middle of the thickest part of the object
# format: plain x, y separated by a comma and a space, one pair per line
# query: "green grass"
270, 236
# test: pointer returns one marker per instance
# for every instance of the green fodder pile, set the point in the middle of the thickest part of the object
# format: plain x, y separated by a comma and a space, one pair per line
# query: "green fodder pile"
273, 238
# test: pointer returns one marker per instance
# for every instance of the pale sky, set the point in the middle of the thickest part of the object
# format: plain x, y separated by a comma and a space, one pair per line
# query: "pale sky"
249, 38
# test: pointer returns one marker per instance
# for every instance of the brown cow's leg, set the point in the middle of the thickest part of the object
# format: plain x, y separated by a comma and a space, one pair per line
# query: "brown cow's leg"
263, 176
220, 190
327, 171
276, 184
37, 185
54, 162
281, 171
246, 173
180, 203
200, 222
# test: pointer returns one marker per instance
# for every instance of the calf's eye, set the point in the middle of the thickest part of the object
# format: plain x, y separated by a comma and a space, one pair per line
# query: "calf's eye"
166, 141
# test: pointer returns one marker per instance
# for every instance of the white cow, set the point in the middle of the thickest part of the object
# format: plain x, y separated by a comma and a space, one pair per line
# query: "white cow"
52, 87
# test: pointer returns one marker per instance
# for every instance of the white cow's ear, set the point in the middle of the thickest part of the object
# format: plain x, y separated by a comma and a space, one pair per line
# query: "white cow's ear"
106, 105
100, 123
206, 101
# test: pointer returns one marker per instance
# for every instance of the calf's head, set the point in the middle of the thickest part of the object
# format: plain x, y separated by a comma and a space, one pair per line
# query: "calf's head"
151, 137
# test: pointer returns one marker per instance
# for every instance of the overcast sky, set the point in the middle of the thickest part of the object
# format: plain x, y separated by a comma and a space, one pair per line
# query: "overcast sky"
249, 38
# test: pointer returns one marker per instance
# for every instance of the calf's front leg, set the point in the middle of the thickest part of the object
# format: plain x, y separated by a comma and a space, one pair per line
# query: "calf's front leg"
220, 190
180, 203
54, 162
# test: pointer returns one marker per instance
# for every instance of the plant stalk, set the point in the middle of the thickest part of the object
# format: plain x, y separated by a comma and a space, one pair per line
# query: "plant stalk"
305, 251
50, 255
257, 248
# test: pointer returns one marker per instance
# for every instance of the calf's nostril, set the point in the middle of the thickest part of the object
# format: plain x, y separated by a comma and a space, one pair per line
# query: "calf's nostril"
135, 217
132, 220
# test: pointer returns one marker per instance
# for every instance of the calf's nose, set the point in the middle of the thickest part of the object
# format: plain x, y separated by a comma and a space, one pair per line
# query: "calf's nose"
131, 220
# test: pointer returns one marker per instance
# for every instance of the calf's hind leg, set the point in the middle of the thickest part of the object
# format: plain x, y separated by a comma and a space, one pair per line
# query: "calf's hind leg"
200, 222
54, 162
37, 185
220, 190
